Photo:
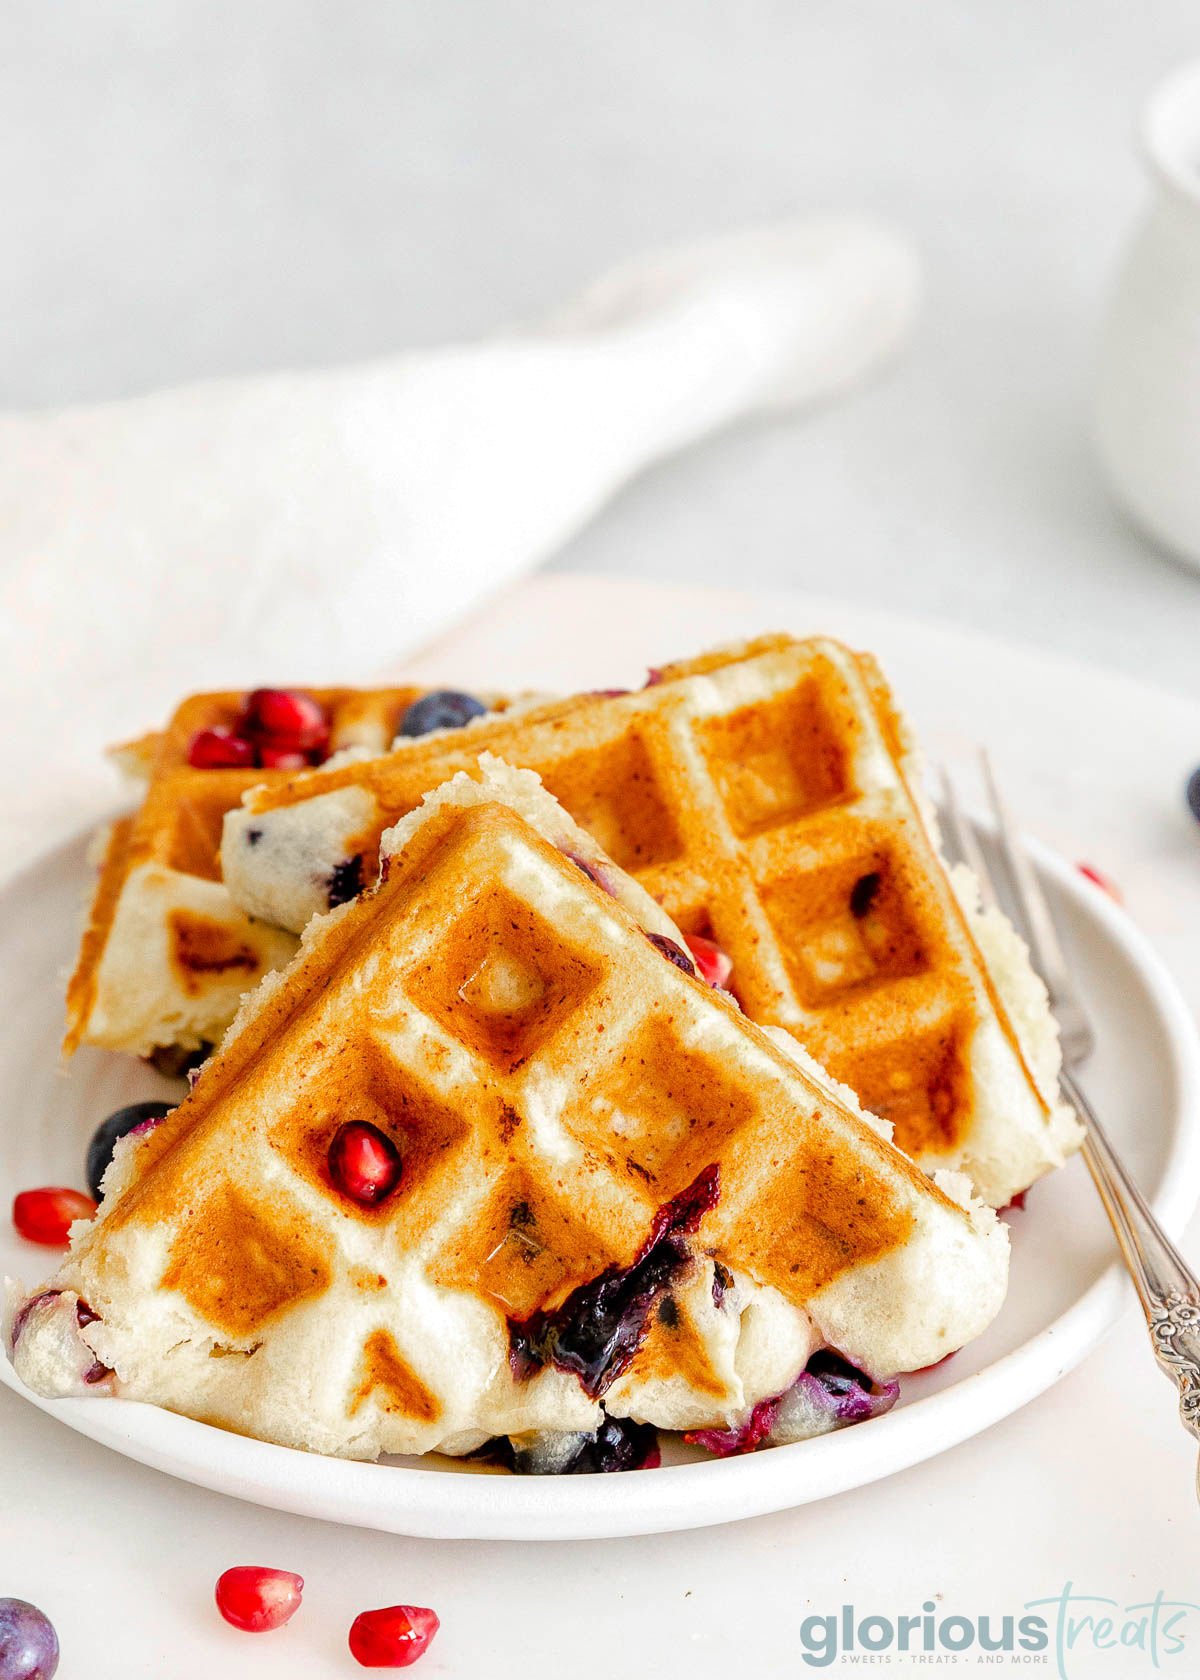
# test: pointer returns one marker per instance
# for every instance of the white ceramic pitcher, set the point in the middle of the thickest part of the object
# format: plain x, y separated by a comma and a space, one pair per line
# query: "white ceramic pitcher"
1148, 395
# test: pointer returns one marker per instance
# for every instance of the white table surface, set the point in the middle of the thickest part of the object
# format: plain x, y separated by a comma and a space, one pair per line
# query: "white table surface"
192, 189
1090, 1484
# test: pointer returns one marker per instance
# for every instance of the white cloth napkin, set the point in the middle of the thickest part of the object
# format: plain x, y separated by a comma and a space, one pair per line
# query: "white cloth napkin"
305, 527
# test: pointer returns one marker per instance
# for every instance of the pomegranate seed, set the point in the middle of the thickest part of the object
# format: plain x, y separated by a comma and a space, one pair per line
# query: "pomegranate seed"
286, 718
392, 1638
712, 963
220, 749
45, 1216
1101, 881
363, 1163
257, 1600
282, 758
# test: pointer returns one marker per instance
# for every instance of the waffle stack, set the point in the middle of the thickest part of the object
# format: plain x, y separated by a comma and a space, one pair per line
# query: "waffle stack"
166, 955
768, 798
578, 1122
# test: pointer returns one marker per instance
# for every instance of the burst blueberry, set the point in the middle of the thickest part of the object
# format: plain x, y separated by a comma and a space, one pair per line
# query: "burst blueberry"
28, 1642
619, 1443
848, 1393
110, 1132
673, 953
445, 708
599, 1327
345, 881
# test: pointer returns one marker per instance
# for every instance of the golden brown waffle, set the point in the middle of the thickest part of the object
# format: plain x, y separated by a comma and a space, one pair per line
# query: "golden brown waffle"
767, 797
165, 956
552, 1083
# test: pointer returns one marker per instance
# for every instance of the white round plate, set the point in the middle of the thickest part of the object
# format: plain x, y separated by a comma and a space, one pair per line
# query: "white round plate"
1066, 1288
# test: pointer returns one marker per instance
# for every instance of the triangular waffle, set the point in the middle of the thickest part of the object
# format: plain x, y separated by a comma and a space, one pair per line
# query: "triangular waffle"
584, 1129
166, 956
767, 796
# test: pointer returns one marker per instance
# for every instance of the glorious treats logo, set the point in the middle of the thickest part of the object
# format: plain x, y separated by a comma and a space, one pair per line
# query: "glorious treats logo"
1056, 1633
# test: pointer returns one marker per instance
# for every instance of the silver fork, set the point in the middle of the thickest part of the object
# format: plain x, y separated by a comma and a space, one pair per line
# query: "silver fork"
1166, 1286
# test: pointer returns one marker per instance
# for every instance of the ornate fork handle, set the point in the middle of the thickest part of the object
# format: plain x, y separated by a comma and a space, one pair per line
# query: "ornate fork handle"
1167, 1287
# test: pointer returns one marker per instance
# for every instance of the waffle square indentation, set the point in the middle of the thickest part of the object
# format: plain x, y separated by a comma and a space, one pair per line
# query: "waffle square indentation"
367, 1084
776, 760
504, 981
238, 1262
843, 926
669, 1111
193, 843
613, 792
921, 1083
523, 1248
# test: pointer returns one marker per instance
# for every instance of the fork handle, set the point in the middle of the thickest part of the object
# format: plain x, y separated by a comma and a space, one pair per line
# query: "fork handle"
1166, 1285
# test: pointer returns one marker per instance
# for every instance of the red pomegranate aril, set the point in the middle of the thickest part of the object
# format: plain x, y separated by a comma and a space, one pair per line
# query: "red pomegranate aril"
364, 1164
711, 962
45, 1216
392, 1638
1102, 881
282, 758
286, 719
220, 749
256, 1599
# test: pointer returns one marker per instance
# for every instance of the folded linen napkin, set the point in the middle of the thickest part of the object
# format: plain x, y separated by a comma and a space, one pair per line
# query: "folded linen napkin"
299, 527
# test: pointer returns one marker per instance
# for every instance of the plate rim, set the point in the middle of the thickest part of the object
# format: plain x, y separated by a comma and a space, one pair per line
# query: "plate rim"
427, 1503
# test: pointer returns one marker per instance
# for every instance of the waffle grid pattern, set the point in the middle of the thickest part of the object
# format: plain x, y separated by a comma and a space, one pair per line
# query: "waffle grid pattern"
761, 798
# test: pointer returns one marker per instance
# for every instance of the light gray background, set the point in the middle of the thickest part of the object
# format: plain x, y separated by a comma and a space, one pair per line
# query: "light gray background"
191, 189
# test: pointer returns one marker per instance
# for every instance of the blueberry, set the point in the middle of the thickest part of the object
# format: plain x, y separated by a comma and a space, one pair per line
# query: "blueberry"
864, 893
106, 1137
618, 1444
722, 1283
445, 708
28, 1642
847, 1392
345, 881
673, 953
1193, 793
599, 1327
